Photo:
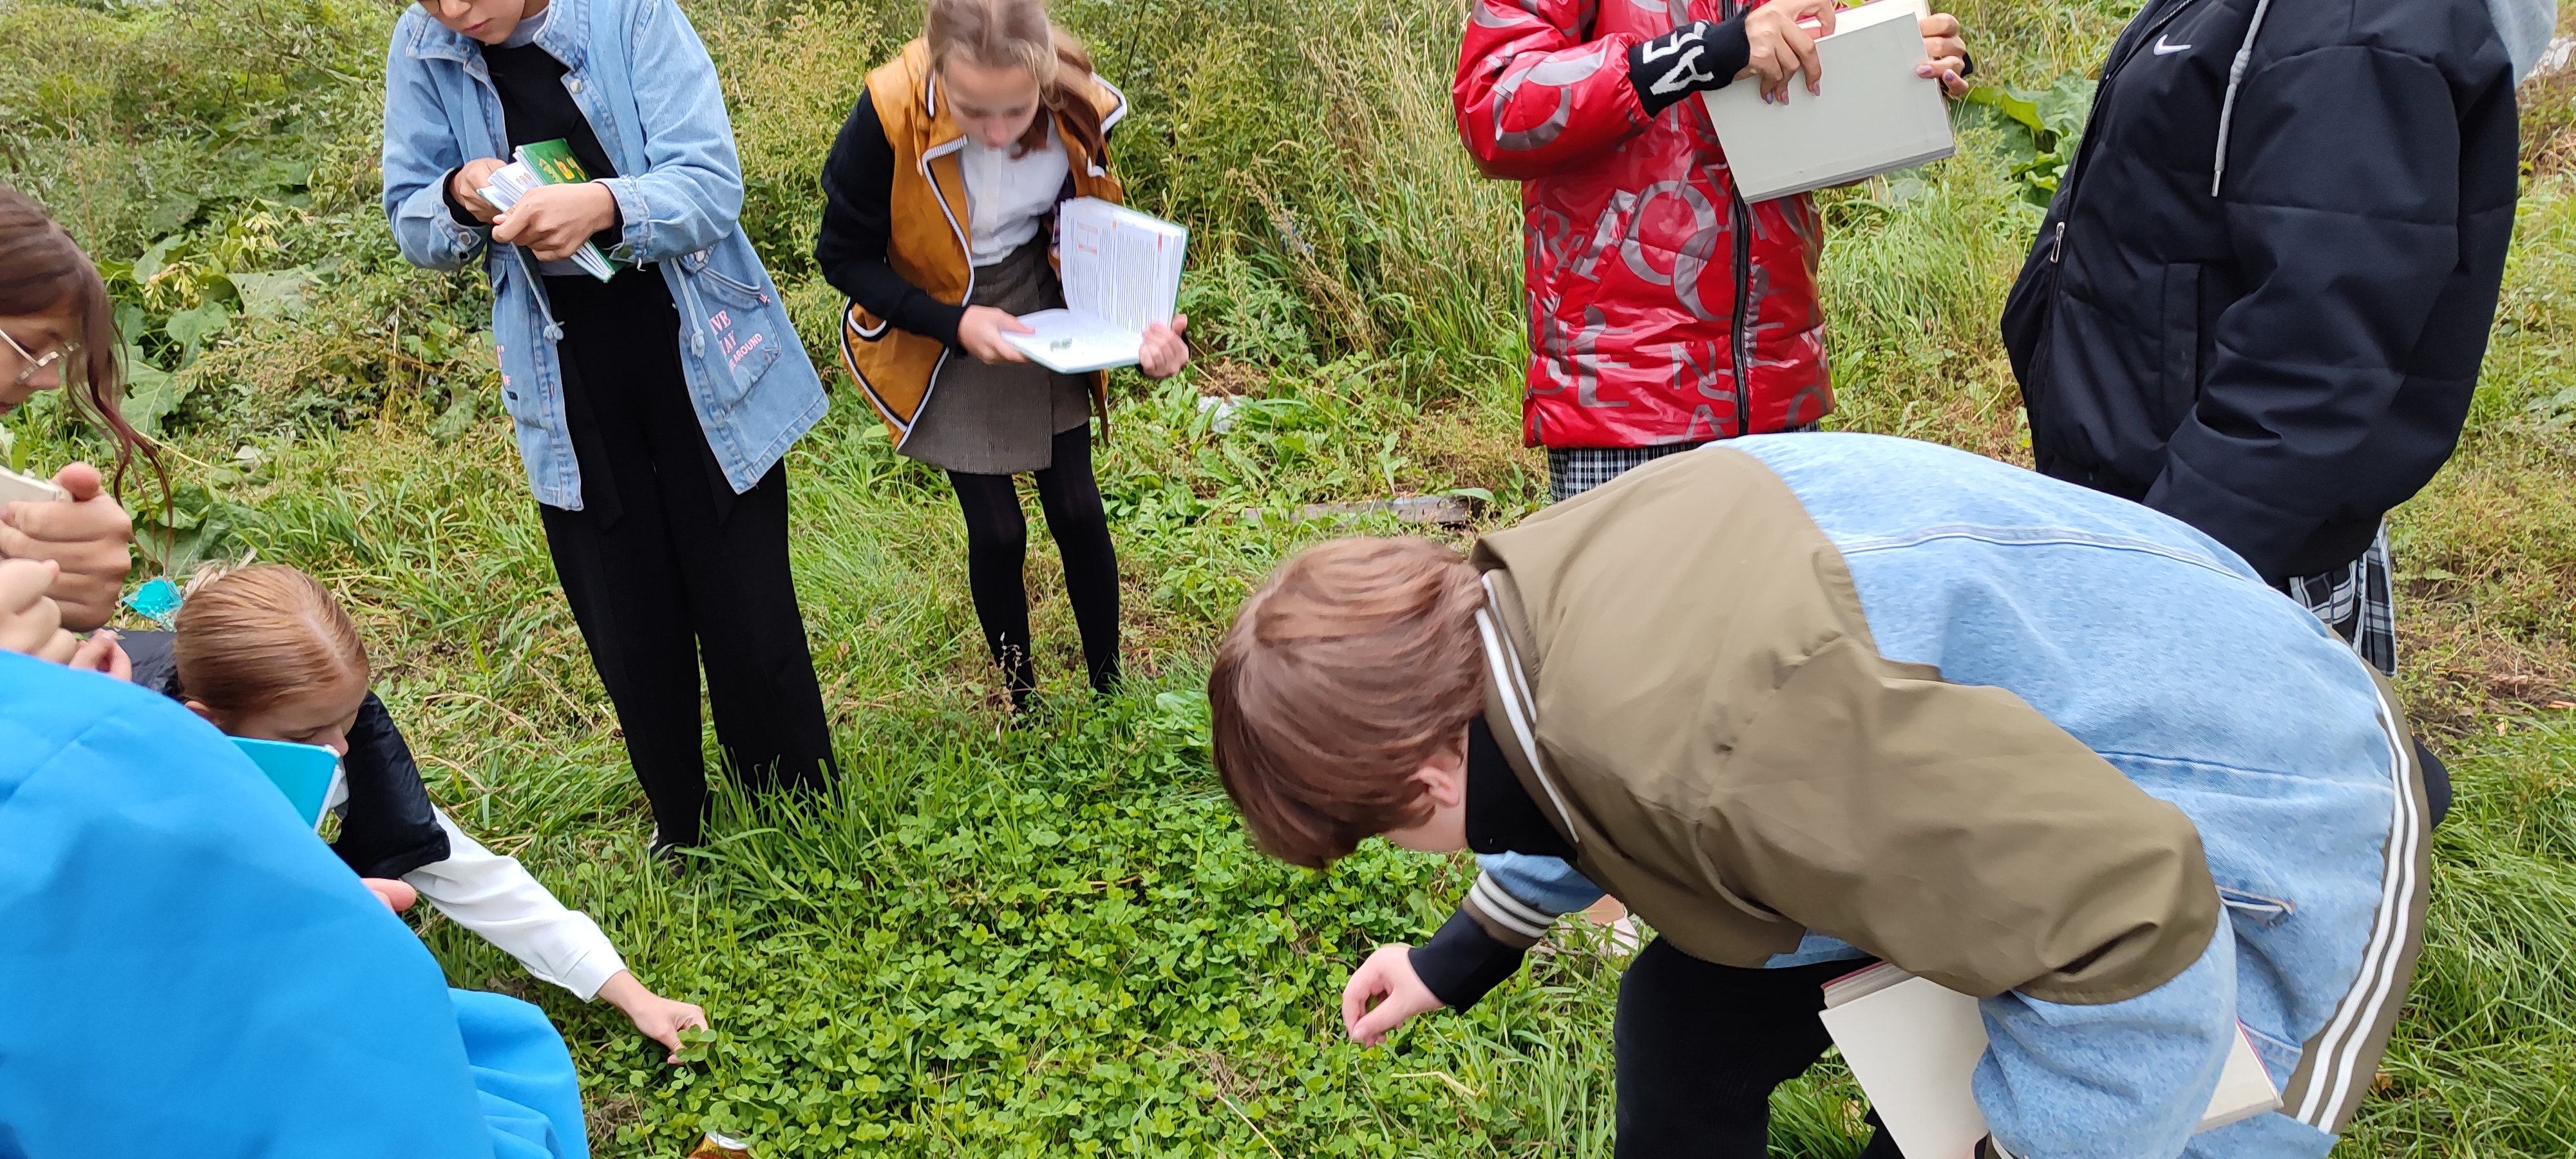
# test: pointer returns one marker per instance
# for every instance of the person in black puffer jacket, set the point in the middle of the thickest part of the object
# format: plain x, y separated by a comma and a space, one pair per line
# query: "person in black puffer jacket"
2260, 299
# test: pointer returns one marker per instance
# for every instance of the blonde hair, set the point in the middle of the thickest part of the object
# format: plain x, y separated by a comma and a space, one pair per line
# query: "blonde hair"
1017, 34
250, 637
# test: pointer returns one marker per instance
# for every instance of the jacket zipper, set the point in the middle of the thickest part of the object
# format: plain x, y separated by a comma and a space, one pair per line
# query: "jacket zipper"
2066, 194
1742, 216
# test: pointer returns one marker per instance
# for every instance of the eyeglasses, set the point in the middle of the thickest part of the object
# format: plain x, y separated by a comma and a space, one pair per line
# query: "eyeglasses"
36, 365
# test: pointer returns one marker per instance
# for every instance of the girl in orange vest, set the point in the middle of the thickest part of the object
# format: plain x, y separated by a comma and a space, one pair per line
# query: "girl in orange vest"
939, 213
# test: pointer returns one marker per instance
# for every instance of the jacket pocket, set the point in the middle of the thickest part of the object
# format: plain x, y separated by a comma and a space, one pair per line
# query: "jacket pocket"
2255, 909
748, 328
2179, 382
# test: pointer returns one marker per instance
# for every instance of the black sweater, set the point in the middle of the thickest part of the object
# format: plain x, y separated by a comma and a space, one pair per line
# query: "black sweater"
858, 186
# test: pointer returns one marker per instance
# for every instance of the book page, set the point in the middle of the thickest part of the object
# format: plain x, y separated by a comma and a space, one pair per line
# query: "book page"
1119, 265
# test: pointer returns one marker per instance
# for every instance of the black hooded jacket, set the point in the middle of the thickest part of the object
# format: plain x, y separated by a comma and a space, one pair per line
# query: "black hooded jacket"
2261, 297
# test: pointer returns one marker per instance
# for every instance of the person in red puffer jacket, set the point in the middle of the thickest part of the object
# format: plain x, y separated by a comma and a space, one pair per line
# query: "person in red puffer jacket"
1665, 312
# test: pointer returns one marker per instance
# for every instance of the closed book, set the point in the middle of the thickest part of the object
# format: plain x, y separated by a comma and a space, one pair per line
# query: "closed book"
1874, 115
1913, 1046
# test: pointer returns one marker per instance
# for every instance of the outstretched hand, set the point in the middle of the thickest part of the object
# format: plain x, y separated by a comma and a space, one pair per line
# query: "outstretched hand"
658, 1018
1388, 978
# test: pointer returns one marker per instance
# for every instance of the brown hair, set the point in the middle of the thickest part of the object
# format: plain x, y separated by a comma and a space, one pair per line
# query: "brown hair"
1358, 661
249, 638
41, 271
1017, 34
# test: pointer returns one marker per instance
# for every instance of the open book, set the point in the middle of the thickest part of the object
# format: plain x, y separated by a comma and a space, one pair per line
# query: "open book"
1874, 116
545, 163
1913, 1045
1122, 273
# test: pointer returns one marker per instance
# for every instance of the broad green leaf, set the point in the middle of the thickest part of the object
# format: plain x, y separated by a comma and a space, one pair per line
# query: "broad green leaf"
278, 294
191, 328
151, 393
149, 265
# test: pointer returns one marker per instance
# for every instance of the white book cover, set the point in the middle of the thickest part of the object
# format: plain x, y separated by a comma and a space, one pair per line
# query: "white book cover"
1874, 116
1913, 1046
1121, 272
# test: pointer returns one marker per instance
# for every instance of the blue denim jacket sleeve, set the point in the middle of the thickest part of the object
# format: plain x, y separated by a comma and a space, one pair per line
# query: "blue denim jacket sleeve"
1545, 884
689, 195
420, 150
2115, 1081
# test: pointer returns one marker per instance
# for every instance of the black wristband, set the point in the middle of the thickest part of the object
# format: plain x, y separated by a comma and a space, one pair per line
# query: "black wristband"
1696, 57
1462, 962
456, 209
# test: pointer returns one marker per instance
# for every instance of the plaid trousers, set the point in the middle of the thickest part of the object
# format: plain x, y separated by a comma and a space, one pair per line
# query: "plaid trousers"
1572, 471
2358, 602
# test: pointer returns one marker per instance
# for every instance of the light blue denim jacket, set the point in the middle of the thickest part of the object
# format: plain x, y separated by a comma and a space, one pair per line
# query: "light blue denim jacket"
649, 91
2163, 652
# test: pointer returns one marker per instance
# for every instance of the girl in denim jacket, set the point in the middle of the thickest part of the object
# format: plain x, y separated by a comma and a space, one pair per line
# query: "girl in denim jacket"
652, 409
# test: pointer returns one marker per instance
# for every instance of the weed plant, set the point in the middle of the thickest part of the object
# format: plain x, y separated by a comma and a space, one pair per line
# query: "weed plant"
1053, 940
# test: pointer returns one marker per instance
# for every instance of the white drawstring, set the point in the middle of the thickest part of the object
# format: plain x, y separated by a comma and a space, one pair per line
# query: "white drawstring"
2227, 108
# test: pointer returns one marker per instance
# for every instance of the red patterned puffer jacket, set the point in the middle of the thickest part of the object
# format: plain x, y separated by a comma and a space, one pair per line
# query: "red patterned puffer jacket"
1649, 282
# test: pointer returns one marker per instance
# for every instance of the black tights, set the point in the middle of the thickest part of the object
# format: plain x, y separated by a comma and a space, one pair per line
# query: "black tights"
997, 546
1700, 1047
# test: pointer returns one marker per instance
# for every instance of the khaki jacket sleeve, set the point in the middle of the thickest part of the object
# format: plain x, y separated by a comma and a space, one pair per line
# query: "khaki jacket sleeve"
1957, 832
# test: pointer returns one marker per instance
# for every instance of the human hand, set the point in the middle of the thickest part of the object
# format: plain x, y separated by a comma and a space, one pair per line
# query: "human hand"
1946, 54
981, 330
1780, 47
468, 185
1388, 977
396, 895
553, 220
30, 624
87, 536
660, 1019
103, 655
1164, 353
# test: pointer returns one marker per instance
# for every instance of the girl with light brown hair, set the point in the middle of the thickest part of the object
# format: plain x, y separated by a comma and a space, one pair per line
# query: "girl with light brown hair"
939, 217
265, 652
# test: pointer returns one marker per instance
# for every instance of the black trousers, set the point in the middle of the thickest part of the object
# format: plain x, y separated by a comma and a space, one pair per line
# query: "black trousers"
997, 549
666, 568
1700, 1047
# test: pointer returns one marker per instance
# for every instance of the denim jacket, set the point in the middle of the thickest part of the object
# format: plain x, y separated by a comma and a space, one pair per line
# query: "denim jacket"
2165, 654
679, 192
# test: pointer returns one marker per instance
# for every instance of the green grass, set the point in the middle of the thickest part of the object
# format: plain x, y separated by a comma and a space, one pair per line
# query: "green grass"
1054, 940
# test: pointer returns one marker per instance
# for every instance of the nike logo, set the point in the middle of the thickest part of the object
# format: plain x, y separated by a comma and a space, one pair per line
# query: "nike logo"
2164, 49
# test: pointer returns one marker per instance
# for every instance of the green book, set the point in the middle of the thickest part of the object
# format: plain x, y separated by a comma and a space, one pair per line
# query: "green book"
546, 163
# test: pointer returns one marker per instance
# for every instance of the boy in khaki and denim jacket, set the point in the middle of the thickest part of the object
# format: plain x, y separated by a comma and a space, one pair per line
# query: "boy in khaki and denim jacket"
1802, 702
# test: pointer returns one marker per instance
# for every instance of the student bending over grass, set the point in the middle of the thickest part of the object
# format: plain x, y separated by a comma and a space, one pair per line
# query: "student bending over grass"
264, 652
1802, 701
